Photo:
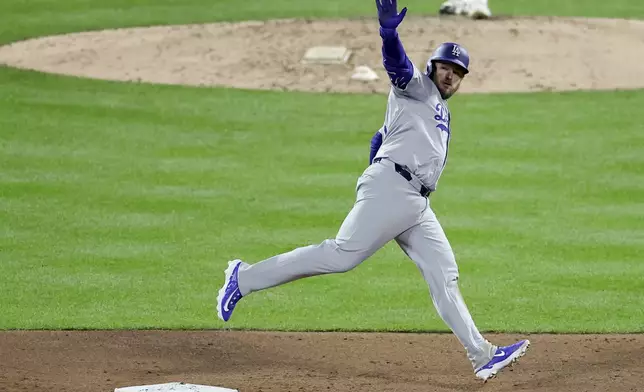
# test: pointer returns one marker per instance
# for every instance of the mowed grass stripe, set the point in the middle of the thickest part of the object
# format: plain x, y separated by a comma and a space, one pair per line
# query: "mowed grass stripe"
123, 212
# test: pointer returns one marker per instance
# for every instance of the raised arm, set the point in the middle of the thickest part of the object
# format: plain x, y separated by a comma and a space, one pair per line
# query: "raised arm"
397, 64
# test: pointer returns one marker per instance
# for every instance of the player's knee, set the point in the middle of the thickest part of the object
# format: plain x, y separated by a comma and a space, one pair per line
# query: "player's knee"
345, 268
350, 260
346, 259
451, 280
443, 280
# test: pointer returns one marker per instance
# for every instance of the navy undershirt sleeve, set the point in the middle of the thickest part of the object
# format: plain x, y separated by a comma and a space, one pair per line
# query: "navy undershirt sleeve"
398, 66
376, 142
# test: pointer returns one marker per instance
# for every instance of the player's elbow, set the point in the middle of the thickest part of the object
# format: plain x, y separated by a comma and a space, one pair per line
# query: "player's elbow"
400, 80
400, 76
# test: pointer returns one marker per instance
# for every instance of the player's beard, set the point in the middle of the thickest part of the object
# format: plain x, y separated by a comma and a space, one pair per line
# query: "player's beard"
443, 90
431, 72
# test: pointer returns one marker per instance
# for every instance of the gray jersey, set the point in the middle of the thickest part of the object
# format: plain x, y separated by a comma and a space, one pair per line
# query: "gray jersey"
416, 131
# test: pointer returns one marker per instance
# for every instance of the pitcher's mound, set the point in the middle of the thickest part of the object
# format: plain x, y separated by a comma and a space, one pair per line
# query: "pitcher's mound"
521, 54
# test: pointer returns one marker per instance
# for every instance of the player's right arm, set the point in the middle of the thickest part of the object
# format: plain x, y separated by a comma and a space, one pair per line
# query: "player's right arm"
399, 67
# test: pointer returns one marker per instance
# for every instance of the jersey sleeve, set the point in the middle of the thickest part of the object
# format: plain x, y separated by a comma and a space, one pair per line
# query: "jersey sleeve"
419, 86
406, 79
398, 66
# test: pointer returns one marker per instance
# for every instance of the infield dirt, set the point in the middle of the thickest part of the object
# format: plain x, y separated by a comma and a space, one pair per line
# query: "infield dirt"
99, 361
516, 55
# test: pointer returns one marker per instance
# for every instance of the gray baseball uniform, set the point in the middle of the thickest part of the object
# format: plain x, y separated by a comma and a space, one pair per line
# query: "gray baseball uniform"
389, 207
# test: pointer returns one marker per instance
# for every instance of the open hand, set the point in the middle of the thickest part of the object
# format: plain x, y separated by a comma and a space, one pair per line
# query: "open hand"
388, 15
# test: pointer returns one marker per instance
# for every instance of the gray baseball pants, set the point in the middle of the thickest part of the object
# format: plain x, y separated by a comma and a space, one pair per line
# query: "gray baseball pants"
387, 207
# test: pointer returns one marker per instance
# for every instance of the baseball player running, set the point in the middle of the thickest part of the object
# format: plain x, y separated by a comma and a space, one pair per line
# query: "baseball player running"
407, 157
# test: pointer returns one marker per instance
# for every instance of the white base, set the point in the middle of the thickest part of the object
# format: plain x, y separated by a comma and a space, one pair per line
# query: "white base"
364, 74
174, 387
326, 55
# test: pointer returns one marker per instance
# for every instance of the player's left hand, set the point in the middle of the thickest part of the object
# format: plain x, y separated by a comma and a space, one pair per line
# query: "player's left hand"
388, 15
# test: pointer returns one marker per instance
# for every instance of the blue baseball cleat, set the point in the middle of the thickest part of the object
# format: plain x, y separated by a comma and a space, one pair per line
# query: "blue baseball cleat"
503, 357
229, 293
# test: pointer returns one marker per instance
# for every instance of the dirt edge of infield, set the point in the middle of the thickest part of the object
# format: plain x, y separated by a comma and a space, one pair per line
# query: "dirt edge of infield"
522, 54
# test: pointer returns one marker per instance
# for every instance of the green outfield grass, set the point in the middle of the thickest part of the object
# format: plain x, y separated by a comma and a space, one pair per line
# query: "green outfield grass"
21, 19
120, 204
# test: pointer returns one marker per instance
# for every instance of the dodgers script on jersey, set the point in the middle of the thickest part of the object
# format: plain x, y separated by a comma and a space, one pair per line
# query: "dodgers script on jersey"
416, 130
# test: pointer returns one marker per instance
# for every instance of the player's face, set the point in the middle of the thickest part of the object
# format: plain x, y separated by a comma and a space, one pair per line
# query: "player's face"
447, 78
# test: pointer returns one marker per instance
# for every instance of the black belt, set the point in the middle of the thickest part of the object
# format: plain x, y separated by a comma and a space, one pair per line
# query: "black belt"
424, 191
